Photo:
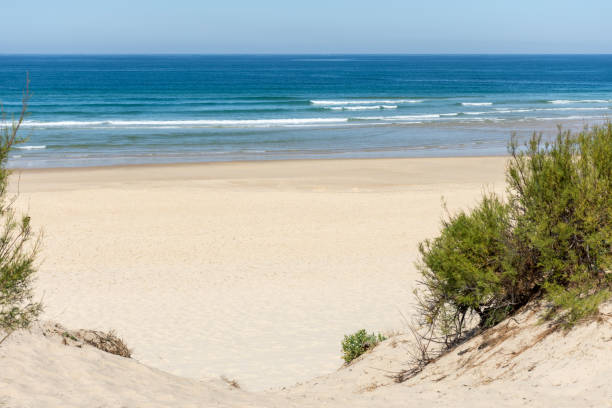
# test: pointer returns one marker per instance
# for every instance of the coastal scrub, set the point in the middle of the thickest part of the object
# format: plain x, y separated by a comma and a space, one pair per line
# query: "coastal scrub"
549, 238
18, 243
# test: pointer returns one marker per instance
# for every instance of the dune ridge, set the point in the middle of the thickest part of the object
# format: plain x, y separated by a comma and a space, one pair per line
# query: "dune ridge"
521, 362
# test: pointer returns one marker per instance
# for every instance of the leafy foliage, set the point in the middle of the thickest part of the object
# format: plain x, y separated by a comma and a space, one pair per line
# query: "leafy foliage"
561, 198
18, 243
466, 270
551, 237
358, 343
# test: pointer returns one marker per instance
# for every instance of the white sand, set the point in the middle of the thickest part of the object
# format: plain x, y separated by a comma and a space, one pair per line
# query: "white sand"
513, 365
518, 363
255, 271
250, 270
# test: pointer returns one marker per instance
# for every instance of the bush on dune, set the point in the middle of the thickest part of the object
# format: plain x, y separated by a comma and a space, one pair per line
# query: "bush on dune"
549, 238
562, 201
18, 243
466, 271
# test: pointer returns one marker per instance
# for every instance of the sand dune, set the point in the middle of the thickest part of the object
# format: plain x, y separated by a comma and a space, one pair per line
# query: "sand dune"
255, 271
241, 268
519, 363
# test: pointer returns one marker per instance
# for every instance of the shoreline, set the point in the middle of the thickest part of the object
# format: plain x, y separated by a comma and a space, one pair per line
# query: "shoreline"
232, 162
485, 140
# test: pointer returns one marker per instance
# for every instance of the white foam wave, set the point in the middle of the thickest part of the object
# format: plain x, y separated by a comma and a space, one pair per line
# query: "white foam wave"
227, 122
399, 117
570, 109
203, 123
31, 147
476, 103
503, 110
363, 102
358, 108
66, 123
568, 101
476, 113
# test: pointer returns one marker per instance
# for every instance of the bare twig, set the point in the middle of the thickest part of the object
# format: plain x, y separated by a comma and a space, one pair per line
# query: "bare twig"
6, 337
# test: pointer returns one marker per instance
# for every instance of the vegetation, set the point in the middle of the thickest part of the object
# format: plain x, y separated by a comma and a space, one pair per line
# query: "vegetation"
108, 342
550, 238
358, 343
18, 243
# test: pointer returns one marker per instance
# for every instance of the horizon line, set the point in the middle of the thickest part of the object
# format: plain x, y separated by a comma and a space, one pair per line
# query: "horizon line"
303, 54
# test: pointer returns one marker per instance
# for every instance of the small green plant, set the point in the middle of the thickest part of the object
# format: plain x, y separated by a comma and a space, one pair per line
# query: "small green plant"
358, 343
70, 336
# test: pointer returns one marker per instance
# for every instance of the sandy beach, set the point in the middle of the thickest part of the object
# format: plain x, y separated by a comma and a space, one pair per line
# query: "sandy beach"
329, 204
252, 270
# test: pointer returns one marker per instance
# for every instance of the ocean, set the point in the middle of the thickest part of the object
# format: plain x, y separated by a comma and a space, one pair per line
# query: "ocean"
108, 110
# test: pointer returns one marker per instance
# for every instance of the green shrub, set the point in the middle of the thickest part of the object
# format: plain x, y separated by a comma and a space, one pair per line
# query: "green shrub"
561, 198
358, 343
466, 270
18, 244
551, 237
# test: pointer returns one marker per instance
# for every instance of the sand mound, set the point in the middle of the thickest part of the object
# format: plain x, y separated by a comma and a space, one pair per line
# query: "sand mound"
45, 368
521, 362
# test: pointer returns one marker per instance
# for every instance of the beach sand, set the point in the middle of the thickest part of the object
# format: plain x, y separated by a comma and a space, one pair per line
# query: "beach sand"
252, 270
519, 363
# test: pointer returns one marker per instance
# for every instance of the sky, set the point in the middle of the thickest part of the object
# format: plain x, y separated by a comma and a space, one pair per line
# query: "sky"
305, 26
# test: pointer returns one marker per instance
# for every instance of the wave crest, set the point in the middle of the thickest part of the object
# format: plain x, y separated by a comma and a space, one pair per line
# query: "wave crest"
358, 108
203, 123
363, 102
568, 101
37, 147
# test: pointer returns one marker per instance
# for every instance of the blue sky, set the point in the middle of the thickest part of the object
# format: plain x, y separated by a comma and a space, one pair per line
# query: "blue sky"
307, 26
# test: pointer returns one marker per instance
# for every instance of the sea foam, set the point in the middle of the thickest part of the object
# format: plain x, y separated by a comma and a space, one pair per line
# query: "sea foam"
568, 101
399, 117
570, 109
363, 102
31, 147
358, 108
203, 123
476, 103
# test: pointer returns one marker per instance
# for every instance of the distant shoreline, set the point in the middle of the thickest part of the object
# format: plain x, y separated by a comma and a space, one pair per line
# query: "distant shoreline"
183, 164
498, 149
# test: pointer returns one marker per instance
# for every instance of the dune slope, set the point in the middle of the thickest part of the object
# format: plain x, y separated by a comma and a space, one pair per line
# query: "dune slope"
521, 362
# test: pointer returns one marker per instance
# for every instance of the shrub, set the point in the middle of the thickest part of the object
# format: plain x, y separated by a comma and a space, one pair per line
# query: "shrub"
551, 237
561, 199
465, 270
358, 343
18, 244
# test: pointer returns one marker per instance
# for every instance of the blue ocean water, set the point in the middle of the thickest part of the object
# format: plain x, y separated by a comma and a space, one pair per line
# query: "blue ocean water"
100, 110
